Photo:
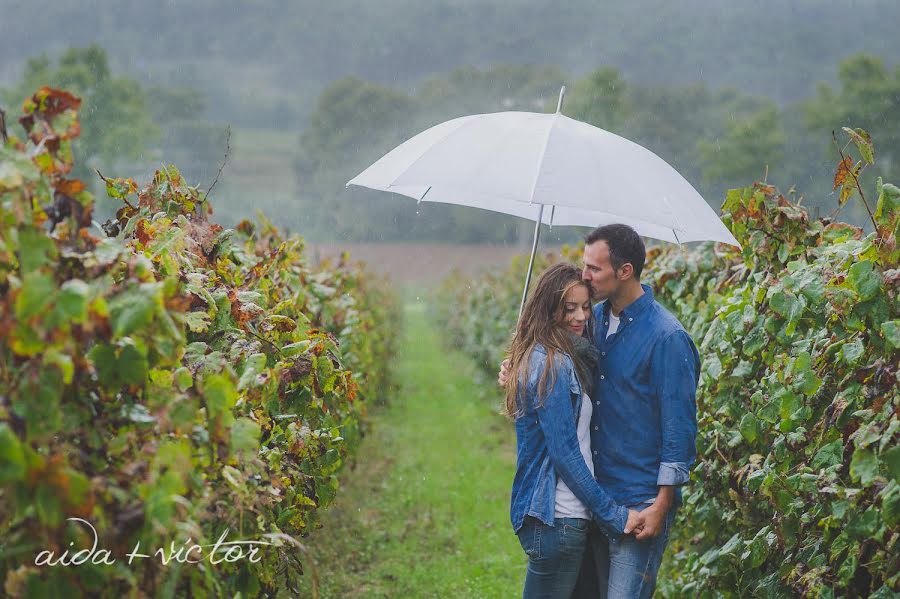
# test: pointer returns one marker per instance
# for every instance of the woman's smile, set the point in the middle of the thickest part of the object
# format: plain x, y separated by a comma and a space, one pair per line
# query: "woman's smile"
576, 309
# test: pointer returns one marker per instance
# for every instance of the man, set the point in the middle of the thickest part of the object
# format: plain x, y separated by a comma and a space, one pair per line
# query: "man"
643, 427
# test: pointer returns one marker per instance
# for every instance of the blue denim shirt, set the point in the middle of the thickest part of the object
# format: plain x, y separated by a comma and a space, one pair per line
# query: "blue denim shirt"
644, 424
547, 447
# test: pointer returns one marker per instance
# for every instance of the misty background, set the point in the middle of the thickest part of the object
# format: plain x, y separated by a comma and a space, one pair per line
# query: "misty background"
313, 92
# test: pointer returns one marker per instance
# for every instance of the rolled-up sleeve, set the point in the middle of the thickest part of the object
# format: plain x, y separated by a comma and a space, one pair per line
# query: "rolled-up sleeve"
673, 473
676, 372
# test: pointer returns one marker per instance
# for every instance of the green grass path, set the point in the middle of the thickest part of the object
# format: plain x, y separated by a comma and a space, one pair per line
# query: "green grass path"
424, 512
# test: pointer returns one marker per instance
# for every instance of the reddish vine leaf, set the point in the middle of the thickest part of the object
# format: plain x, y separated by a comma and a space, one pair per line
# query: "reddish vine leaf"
847, 192
70, 187
843, 172
143, 232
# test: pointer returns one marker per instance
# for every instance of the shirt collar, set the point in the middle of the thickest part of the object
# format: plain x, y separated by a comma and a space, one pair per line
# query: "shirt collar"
634, 308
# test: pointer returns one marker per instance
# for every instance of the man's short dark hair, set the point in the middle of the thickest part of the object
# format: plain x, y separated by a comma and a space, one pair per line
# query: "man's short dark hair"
625, 246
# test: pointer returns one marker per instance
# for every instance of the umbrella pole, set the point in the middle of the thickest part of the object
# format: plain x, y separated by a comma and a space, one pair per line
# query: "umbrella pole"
537, 225
534, 244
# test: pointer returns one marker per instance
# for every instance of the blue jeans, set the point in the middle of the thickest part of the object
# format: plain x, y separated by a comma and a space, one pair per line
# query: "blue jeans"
554, 556
626, 568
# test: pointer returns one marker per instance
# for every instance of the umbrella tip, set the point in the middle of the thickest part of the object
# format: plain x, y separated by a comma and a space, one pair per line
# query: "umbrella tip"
562, 94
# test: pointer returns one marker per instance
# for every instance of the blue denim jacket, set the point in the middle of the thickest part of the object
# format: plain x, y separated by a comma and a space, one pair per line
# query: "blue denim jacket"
547, 447
644, 424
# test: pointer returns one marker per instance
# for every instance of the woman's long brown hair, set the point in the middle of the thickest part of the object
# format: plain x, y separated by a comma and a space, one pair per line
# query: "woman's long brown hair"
540, 323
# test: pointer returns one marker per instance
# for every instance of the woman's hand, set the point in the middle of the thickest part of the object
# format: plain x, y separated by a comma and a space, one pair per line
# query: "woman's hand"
503, 376
635, 522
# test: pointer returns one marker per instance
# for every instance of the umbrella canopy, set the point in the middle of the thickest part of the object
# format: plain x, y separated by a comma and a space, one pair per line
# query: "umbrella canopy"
495, 160
519, 162
553, 216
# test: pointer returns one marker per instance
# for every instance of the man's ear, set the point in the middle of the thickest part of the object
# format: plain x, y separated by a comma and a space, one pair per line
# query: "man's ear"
626, 272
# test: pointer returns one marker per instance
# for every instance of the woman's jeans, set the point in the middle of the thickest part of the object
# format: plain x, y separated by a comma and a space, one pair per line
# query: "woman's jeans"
554, 556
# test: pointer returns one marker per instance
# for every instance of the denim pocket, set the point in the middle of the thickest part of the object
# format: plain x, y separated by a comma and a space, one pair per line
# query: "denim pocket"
577, 525
573, 531
530, 537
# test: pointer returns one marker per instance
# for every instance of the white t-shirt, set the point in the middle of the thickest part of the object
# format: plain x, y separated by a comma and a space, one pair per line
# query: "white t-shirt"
567, 505
613, 324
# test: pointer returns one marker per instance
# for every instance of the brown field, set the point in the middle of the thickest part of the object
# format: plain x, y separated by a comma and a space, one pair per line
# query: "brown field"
412, 263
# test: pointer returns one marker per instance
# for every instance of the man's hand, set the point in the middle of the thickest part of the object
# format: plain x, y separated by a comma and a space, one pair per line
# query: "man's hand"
635, 522
503, 377
655, 515
654, 519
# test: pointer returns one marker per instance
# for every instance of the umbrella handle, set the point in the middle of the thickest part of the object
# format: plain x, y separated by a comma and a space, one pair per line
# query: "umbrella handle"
534, 244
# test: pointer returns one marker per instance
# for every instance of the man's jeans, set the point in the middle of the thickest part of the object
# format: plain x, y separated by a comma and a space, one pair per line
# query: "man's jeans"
624, 569
554, 555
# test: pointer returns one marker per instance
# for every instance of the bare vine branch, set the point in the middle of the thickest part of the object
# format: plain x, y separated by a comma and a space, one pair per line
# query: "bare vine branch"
224, 160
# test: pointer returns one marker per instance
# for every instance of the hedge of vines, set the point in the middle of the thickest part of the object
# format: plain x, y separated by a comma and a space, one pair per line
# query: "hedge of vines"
169, 382
795, 491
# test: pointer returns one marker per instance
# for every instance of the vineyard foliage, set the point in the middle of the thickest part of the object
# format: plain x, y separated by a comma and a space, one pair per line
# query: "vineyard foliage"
795, 490
166, 379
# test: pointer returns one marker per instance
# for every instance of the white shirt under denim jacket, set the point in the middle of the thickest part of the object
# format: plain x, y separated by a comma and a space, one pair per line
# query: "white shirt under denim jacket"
547, 449
567, 504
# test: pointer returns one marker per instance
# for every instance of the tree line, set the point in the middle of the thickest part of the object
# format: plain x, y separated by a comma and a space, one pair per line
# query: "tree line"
718, 138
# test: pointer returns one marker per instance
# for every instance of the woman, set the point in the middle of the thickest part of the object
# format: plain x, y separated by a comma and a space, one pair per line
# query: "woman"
554, 494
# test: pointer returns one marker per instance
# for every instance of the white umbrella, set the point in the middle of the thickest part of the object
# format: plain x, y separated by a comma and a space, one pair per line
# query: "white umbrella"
518, 162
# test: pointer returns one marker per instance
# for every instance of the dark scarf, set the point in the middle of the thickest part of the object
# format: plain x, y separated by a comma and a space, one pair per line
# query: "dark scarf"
586, 358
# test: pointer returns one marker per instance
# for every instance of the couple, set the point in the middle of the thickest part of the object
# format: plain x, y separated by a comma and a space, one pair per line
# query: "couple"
604, 406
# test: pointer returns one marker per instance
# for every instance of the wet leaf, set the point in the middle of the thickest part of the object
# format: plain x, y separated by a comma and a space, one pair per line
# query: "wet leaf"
253, 367
35, 296
133, 309
36, 249
891, 459
863, 142
842, 174
70, 187
750, 427
864, 466
220, 394
851, 352
48, 505
72, 302
245, 438
829, 455
12, 458
888, 202
197, 322
863, 279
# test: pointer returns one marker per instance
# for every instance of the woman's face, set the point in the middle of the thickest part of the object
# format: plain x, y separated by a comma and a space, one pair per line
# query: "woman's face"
576, 309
